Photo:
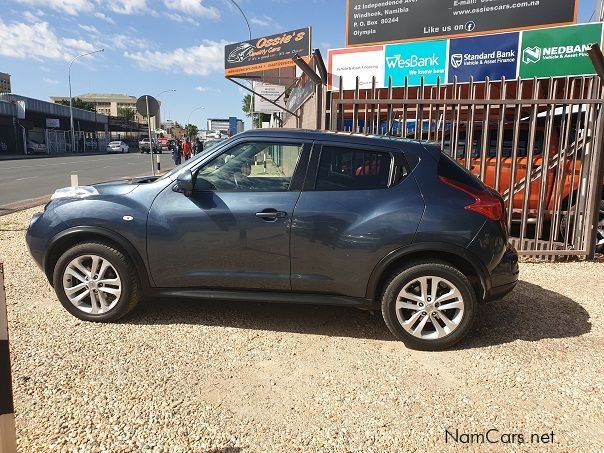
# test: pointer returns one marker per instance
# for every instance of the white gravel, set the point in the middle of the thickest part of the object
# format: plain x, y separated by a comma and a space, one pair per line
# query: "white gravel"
230, 377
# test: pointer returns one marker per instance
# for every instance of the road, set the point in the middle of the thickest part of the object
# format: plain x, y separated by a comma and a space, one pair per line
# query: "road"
24, 179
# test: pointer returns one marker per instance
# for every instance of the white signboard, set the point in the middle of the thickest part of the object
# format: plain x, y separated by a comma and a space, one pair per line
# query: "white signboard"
53, 122
365, 62
20, 110
272, 92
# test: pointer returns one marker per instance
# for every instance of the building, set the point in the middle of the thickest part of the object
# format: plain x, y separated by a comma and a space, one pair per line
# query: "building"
227, 126
4, 83
111, 103
30, 126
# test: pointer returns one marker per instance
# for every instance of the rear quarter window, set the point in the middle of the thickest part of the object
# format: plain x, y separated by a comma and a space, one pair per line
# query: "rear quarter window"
450, 169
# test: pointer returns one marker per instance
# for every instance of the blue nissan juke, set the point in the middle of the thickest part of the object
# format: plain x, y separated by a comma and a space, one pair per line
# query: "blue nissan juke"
288, 216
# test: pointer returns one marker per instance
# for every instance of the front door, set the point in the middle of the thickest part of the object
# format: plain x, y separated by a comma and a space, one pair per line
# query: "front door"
233, 232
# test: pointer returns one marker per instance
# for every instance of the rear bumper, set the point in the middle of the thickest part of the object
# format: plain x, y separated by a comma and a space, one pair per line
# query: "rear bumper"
505, 275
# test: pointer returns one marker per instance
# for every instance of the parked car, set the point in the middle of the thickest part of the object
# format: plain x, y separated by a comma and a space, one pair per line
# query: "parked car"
34, 146
288, 216
145, 146
118, 147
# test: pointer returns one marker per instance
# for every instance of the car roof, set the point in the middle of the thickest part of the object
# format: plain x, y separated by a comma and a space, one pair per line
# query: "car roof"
337, 137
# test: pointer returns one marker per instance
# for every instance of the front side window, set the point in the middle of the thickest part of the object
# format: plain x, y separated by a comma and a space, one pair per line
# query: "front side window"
252, 167
350, 169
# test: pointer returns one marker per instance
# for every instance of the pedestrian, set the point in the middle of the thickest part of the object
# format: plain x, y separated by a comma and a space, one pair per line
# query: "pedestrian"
186, 149
175, 153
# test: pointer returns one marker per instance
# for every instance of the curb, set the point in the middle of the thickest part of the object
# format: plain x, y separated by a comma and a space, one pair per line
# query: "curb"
11, 208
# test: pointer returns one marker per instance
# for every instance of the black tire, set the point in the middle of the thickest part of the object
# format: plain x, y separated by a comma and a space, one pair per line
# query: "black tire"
404, 277
130, 294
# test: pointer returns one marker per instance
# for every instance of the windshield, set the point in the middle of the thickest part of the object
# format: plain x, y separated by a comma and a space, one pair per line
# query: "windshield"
178, 168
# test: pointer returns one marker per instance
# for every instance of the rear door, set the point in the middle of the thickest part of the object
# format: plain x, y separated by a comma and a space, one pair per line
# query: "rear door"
358, 204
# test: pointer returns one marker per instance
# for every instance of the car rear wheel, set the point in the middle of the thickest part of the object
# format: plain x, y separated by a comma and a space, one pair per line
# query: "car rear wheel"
96, 282
430, 306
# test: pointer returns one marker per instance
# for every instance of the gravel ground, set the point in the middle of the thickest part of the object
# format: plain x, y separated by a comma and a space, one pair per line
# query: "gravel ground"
202, 376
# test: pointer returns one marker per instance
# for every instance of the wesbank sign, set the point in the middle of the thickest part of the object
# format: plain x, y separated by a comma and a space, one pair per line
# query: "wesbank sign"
414, 61
548, 52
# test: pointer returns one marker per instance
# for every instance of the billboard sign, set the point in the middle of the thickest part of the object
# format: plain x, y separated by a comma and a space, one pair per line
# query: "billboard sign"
52, 123
493, 56
378, 22
269, 91
232, 125
558, 52
269, 52
365, 62
414, 61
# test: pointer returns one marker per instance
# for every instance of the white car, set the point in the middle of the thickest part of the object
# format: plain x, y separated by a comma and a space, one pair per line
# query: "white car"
35, 147
118, 147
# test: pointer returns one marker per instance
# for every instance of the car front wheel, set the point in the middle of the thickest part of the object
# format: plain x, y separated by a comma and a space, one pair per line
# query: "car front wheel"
96, 282
430, 306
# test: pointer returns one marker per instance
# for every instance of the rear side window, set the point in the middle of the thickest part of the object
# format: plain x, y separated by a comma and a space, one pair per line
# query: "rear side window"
450, 169
350, 169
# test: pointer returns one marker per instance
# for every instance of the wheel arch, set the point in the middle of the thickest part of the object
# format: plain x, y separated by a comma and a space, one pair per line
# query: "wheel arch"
458, 257
72, 236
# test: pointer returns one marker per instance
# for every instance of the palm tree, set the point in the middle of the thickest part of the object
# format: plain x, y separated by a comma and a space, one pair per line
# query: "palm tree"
257, 118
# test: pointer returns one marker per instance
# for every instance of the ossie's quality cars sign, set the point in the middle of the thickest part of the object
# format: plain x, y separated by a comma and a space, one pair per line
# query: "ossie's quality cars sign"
269, 52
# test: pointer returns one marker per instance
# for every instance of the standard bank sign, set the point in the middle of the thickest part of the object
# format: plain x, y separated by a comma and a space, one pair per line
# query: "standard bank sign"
493, 56
414, 61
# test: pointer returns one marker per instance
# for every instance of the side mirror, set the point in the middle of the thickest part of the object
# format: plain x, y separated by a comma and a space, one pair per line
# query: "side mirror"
185, 182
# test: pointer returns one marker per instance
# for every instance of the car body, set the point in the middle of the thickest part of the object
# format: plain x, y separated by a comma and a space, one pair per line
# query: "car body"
34, 147
118, 147
288, 216
144, 146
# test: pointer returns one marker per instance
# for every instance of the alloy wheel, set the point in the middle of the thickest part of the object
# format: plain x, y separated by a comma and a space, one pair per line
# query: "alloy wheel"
92, 284
430, 307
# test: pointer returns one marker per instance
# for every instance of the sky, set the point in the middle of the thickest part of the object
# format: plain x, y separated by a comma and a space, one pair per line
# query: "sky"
154, 45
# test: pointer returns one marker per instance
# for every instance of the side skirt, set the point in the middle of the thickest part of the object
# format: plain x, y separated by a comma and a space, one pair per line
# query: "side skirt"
264, 296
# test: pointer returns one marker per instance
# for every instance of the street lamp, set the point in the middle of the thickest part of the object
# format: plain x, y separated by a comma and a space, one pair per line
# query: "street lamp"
249, 29
158, 95
192, 111
71, 99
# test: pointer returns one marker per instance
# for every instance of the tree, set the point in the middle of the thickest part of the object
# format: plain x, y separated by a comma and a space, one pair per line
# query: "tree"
257, 118
191, 131
126, 112
78, 104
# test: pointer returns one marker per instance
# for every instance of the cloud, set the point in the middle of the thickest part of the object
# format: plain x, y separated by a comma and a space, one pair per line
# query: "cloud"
104, 17
264, 21
38, 41
178, 18
195, 7
203, 89
31, 17
71, 7
127, 6
51, 81
200, 60
89, 28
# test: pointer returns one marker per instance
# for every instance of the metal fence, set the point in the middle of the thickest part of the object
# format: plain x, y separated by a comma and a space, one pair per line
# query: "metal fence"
537, 142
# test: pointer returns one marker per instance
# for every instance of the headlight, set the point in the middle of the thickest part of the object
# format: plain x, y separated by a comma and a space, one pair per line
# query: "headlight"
74, 192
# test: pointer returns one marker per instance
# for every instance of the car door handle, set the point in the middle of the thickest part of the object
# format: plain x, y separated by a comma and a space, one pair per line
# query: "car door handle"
271, 214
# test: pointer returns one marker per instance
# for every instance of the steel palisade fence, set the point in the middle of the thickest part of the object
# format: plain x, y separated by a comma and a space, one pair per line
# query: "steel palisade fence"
538, 142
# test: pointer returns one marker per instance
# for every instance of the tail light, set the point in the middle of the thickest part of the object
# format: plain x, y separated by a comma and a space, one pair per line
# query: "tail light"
486, 203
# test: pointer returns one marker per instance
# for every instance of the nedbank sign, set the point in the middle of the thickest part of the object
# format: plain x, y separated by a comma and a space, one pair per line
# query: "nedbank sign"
558, 51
